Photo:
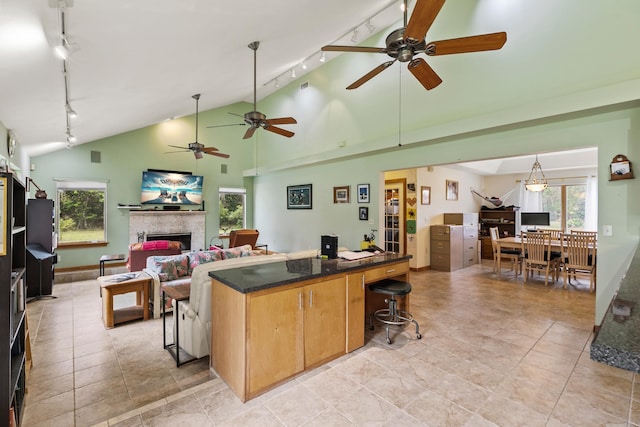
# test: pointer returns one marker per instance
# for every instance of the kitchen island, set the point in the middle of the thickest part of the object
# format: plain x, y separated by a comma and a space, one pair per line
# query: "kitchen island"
269, 322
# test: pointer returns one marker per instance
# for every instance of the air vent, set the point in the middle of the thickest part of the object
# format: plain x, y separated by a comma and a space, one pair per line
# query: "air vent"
304, 85
95, 157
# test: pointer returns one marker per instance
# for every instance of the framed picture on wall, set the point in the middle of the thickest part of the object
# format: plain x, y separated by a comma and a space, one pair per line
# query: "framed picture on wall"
363, 193
299, 196
363, 213
452, 190
341, 194
425, 195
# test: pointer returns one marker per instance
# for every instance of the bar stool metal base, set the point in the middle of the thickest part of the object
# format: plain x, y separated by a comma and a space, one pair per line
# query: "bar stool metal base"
391, 316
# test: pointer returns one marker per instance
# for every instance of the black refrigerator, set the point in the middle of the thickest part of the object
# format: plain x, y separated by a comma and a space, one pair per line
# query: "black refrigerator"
41, 243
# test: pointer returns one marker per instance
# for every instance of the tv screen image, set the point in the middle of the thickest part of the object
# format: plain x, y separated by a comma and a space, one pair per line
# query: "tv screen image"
169, 188
534, 218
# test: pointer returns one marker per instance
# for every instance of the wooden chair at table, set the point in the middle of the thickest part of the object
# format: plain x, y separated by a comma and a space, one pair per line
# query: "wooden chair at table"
513, 255
557, 234
580, 257
536, 247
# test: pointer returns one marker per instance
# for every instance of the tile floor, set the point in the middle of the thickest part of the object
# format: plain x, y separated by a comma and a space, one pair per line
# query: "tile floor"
495, 351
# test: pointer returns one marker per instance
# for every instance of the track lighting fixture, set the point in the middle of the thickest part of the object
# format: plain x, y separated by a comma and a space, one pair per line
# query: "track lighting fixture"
277, 83
70, 137
293, 73
354, 37
70, 111
322, 57
62, 51
304, 65
370, 26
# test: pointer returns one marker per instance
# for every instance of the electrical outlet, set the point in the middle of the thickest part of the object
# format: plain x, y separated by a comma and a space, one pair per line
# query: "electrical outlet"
607, 230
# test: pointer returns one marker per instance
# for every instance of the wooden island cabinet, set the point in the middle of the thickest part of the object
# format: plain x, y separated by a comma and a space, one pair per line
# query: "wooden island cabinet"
266, 332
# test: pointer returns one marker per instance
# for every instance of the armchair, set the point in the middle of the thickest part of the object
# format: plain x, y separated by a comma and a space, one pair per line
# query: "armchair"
243, 237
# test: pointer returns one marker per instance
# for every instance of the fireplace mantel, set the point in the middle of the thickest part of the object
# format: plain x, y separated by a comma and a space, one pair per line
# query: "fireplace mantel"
169, 222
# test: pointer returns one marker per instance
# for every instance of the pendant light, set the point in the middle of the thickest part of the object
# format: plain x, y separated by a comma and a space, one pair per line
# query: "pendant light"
536, 181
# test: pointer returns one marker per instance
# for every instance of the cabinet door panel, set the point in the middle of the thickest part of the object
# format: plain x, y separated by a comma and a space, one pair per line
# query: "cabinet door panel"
324, 320
355, 311
276, 342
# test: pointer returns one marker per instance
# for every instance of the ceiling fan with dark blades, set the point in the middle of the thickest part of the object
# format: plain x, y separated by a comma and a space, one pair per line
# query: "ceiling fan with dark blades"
255, 119
197, 148
406, 42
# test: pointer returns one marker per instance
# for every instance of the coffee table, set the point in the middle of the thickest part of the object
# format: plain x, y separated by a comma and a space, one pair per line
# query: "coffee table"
118, 284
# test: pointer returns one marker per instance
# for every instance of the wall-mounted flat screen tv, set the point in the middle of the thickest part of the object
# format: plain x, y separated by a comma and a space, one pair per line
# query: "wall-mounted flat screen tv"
534, 218
171, 188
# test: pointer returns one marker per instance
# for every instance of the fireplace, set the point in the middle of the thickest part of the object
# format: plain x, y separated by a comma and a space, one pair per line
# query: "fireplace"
169, 223
183, 238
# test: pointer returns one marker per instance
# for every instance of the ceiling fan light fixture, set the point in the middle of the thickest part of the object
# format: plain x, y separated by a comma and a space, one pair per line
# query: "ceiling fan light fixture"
537, 181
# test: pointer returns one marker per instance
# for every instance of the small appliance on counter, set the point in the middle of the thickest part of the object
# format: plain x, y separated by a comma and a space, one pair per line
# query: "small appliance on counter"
329, 246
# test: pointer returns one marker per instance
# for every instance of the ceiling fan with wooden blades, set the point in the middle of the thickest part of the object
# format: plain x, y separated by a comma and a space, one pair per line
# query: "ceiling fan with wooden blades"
255, 119
197, 148
405, 43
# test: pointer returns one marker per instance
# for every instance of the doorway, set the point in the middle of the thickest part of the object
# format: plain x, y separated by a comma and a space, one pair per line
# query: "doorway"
394, 224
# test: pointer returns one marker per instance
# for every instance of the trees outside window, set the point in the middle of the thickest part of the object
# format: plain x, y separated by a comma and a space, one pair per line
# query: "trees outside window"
566, 206
232, 209
81, 212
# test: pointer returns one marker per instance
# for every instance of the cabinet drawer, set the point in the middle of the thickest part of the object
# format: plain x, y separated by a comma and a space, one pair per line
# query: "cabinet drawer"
470, 257
440, 262
440, 246
385, 271
470, 233
440, 232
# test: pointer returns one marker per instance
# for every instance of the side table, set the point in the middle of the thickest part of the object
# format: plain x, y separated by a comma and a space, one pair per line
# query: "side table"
178, 293
110, 258
119, 284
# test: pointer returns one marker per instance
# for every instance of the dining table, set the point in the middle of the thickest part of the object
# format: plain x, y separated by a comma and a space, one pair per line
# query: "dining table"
515, 242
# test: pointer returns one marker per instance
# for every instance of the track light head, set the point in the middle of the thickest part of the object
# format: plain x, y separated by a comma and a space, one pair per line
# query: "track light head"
354, 38
70, 111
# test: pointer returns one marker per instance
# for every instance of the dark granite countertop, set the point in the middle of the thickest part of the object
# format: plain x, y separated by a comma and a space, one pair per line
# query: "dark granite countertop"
257, 277
617, 343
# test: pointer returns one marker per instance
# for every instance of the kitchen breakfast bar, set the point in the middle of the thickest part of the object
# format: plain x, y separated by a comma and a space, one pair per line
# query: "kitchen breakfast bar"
269, 322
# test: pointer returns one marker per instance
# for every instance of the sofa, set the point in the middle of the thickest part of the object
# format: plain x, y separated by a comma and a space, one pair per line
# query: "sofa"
139, 252
194, 268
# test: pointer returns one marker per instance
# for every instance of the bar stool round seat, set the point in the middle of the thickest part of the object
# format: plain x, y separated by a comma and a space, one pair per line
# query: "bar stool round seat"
391, 316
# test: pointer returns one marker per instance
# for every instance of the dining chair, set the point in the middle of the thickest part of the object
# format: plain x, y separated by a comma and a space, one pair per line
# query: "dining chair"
580, 257
536, 247
513, 255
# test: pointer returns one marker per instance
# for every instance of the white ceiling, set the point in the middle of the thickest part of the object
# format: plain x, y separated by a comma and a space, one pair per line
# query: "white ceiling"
138, 62
584, 158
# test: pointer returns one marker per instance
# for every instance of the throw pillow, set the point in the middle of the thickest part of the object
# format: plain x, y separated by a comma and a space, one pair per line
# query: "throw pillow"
203, 257
169, 267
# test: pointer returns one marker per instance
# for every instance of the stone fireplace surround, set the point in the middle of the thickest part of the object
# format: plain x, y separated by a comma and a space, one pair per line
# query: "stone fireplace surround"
165, 222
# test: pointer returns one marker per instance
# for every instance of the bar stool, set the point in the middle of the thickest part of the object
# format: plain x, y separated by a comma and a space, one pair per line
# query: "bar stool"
392, 316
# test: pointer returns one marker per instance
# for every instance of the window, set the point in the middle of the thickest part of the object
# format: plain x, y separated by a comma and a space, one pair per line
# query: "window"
81, 212
566, 206
232, 209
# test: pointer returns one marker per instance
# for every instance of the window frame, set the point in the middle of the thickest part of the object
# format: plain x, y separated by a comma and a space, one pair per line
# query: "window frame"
80, 185
563, 201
